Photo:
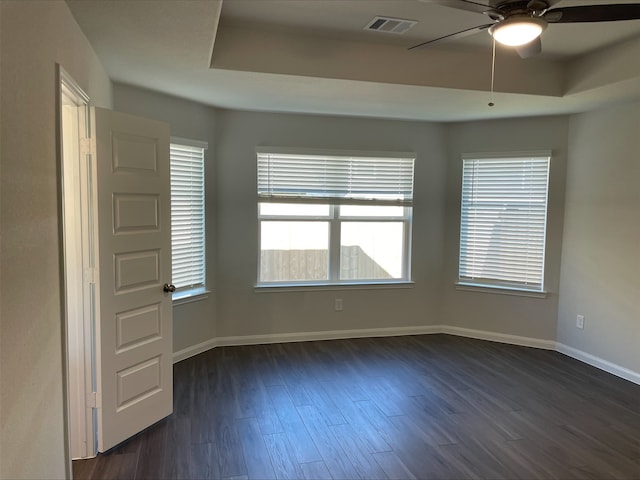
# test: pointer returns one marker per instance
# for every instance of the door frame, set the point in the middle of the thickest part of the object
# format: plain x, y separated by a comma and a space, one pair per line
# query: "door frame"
79, 265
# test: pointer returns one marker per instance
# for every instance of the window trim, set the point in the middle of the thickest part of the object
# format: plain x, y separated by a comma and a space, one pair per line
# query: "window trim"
199, 291
301, 287
190, 295
504, 287
483, 288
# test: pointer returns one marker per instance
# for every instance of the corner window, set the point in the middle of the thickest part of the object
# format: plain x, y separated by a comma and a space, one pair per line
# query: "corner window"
334, 219
503, 221
187, 216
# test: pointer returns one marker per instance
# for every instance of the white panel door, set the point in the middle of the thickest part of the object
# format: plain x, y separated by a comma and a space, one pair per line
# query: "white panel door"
134, 339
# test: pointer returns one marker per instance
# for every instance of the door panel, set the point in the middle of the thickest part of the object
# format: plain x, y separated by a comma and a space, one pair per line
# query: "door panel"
135, 213
135, 373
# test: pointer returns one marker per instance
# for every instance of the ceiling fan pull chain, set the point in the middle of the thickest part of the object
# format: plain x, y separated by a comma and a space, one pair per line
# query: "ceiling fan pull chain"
493, 69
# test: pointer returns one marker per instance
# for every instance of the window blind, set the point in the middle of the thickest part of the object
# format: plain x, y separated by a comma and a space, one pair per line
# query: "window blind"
503, 221
187, 215
355, 179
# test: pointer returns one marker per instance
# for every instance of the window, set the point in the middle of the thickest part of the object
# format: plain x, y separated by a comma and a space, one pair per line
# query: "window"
328, 218
187, 214
503, 221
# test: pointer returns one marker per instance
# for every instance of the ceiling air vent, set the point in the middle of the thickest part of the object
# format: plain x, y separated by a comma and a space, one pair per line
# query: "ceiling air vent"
390, 25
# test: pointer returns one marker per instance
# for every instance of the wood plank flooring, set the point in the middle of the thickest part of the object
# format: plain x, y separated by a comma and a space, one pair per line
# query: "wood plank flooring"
414, 407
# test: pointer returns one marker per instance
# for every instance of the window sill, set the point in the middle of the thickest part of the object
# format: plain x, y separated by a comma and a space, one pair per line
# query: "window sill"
299, 287
483, 288
190, 295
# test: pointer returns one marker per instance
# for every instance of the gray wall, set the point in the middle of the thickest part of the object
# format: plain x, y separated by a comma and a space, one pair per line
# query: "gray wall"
243, 311
193, 323
601, 249
506, 314
35, 35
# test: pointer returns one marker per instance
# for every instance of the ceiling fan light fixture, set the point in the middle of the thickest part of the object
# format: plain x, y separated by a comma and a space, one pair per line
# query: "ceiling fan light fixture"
518, 30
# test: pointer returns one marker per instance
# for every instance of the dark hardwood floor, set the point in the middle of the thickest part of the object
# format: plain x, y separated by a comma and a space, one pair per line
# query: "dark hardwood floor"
430, 406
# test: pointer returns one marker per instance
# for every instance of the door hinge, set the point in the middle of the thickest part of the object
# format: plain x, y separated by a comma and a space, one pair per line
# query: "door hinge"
85, 146
90, 275
92, 400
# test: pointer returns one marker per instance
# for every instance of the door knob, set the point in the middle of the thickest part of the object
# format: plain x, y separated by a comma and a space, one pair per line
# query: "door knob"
169, 288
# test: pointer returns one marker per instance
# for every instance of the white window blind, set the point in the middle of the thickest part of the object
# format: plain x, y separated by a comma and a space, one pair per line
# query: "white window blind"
503, 221
349, 179
187, 214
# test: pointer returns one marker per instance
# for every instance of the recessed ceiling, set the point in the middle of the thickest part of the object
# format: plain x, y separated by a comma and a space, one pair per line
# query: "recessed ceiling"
345, 19
314, 56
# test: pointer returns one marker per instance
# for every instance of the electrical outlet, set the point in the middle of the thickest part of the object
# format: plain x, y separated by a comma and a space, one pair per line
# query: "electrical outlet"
338, 304
580, 321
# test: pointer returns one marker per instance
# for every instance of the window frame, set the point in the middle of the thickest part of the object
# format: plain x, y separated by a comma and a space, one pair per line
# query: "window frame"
199, 290
494, 285
335, 220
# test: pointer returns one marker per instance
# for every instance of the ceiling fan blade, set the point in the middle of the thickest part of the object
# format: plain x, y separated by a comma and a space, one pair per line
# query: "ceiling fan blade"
461, 34
530, 49
468, 5
593, 13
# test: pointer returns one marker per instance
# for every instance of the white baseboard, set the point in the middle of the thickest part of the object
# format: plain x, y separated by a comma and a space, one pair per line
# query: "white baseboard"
597, 362
194, 350
600, 363
301, 337
499, 337
327, 335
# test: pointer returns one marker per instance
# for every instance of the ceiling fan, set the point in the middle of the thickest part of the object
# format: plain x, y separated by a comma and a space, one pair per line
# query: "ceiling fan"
519, 23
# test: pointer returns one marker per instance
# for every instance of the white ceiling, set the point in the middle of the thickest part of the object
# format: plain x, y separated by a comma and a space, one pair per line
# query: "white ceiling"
314, 56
